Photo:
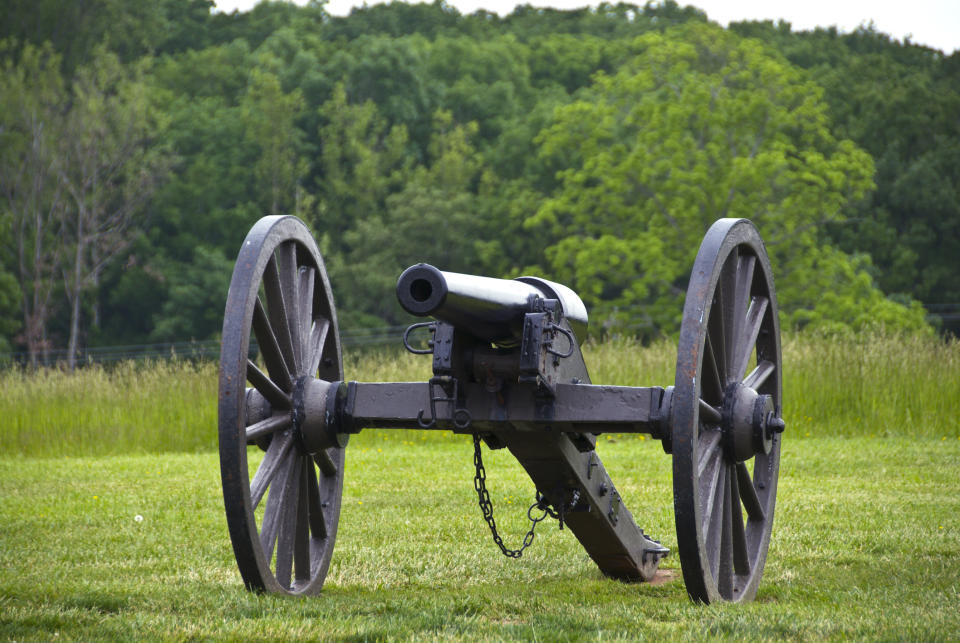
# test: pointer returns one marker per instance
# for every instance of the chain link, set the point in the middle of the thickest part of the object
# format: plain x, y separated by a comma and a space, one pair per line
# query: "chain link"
486, 506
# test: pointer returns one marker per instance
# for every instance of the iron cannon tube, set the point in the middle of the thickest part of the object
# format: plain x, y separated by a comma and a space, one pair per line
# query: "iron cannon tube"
489, 309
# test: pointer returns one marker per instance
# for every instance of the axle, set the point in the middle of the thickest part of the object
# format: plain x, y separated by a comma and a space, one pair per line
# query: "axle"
326, 413
577, 408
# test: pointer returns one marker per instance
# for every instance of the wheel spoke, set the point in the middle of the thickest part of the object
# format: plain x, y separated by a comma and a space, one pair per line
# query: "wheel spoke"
277, 502
725, 557
748, 494
318, 522
277, 398
744, 281
708, 414
748, 336
759, 375
707, 449
318, 337
712, 384
711, 470
272, 460
288, 524
270, 349
307, 280
713, 518
741, 560
277, 310
301, 541
717, 342
290, 284
327, 466
727, 288
271, 524
266, 427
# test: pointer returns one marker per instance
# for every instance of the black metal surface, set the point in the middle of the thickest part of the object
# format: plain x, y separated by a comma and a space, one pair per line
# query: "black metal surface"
489, 309
283, 523
603, 525
577, 408
722, 425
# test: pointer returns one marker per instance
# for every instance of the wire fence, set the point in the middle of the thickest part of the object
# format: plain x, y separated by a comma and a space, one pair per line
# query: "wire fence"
946, 313
203, 350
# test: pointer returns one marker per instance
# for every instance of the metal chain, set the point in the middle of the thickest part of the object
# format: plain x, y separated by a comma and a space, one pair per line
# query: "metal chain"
486, 506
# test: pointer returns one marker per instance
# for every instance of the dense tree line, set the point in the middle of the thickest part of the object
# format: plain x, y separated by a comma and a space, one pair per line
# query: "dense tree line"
140, 141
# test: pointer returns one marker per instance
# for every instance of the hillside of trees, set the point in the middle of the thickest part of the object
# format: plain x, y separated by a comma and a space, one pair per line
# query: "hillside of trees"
140, 141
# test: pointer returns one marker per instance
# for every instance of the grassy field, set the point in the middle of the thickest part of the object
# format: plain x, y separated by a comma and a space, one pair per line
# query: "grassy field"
866, 542
866, 545
869, 386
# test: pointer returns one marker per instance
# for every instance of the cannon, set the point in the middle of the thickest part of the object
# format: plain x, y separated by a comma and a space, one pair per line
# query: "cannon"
507, 370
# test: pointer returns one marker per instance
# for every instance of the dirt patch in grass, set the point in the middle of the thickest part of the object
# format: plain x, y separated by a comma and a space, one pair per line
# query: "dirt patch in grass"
664, 576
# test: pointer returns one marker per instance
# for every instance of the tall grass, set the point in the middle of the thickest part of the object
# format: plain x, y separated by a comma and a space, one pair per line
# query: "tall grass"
129, 408
877, 385
872, 385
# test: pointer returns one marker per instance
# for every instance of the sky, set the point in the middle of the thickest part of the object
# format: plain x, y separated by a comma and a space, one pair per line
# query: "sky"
934, 23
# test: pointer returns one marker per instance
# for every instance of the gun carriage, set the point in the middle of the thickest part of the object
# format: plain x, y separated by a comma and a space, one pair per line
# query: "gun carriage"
508, 370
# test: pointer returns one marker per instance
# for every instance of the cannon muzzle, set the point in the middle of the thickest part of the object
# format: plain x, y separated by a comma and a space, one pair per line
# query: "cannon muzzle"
490, 309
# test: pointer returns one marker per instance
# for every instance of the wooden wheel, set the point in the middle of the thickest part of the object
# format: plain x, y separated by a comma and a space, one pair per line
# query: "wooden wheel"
726, 416
282, 524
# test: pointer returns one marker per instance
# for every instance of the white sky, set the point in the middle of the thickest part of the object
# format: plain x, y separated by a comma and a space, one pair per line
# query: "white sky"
935, 23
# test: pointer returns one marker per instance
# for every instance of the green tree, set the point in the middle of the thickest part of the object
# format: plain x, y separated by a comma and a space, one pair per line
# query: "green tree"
571, 60
700, 125
256, 25
128, 29
362, 161
109, 165
621, 20
433, 219
196, 290
31, 123
10, 295
209, 201
898, 101
211, 198
900, 104
215, 72
390, 73
395, 19
270, 117
484, 81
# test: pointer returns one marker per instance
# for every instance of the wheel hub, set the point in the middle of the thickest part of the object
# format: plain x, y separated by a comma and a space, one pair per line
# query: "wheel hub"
749, 422
314, 414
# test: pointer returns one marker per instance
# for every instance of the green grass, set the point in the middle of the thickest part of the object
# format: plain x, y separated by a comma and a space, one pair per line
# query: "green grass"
866, 545
866, 542
868, 386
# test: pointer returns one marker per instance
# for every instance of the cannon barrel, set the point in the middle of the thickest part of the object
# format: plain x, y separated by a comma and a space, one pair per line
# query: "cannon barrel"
490, 309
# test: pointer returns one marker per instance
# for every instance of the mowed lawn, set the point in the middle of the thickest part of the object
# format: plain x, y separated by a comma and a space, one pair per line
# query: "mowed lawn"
866, 544
112, 524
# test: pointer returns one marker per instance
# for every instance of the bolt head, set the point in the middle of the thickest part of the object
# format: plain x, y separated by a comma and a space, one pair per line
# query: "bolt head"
775, 424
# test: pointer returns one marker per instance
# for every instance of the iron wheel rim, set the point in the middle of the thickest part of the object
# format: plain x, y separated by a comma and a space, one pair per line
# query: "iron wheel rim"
723, 528
289, 551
